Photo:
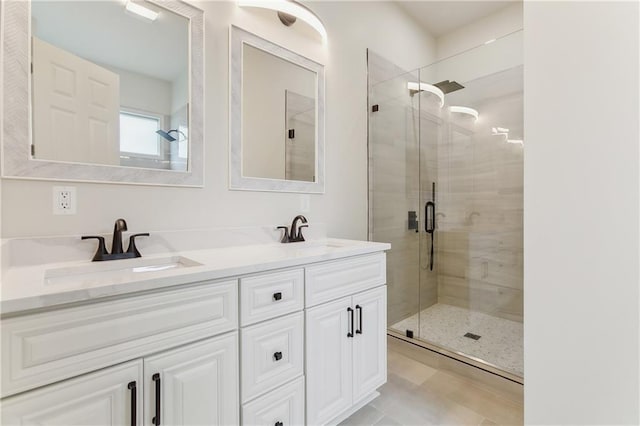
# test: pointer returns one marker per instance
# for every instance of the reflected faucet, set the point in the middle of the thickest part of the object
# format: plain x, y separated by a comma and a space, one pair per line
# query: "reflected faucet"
471, 216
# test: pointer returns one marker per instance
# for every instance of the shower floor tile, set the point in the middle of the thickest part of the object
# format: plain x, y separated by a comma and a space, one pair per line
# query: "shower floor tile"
501, 342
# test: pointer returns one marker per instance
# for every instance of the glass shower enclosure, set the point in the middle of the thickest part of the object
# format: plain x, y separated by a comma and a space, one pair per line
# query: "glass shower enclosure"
446, 190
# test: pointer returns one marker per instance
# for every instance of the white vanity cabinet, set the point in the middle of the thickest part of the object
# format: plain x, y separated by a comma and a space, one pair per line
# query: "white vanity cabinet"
94, 363
272, 348
193, 385
300, 345
345, 338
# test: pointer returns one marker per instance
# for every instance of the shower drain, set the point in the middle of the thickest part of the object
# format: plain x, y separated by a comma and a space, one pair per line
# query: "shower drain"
472, 336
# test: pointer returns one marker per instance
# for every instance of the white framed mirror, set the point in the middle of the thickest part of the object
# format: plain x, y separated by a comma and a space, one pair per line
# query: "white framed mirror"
277, 117
103, 91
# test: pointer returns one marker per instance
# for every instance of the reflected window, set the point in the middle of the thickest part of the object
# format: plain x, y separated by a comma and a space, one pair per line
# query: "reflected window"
138, 134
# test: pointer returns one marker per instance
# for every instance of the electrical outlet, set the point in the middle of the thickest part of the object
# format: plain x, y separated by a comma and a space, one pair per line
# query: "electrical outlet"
64, 200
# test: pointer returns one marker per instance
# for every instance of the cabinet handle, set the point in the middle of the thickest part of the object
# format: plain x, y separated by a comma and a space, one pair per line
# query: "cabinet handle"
279, 424
277, 356
359, 330
350, 311
156, 419
134, 402
277, 296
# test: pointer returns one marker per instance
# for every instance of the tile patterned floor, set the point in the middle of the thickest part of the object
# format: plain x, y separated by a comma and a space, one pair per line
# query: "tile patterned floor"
416, 394
501, 343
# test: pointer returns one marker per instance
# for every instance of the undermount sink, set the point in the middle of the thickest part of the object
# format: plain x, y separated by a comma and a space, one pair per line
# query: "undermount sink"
115, 271
317, 247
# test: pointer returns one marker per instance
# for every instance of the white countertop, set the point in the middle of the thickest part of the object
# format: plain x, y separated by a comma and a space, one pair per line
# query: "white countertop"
30, 287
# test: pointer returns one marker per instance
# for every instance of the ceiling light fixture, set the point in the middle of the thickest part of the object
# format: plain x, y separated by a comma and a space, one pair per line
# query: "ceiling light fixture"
516, 141
140, 10
415, 87
289, 7
465, 110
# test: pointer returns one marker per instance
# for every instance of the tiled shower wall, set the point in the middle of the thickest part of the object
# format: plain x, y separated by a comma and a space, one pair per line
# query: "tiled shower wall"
480, 196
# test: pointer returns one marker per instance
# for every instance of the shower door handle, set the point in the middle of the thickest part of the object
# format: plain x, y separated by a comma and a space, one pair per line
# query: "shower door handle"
430, 226
429, 219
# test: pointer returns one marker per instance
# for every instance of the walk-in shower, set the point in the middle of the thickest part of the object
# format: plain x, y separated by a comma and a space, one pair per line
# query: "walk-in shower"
446, 190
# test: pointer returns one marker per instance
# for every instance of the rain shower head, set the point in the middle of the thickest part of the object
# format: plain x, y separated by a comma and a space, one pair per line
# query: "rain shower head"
449, 86
166, 135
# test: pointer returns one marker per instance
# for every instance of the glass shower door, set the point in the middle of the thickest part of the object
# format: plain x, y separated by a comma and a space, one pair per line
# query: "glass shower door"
472, 170
394, 199
446, 190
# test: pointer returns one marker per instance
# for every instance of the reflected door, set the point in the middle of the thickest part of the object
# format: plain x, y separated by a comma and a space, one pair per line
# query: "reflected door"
77, 109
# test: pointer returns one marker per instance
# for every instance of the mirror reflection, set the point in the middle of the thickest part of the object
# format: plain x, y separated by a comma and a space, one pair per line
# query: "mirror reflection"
110, 84
278, 117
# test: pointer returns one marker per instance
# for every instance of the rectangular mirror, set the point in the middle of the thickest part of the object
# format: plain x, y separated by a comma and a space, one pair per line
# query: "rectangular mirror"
277, 117
114, 91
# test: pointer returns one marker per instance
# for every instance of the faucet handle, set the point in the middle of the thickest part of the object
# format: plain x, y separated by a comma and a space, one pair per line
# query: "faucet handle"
300, 237
132, 244
285, 235
101, 251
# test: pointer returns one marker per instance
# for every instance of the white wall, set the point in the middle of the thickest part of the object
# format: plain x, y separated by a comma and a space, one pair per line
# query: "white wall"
352, 27
581, 213
180, 91
496, 25
144, 92
265, 80
480, 60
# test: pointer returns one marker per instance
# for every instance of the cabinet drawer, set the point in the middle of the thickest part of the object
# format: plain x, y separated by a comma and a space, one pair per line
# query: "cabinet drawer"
284, 405
332, 280
270, 295
272, 354
43, 348
106, 397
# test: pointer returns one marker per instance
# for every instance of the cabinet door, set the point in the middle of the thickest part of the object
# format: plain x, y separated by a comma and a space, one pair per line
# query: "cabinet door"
370, 342
196, 384
329, 358
102, 398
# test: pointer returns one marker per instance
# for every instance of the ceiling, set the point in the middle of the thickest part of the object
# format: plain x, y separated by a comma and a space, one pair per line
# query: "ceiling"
442, 17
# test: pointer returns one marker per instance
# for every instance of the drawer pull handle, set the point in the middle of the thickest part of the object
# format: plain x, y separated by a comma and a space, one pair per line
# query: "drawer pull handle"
350, 332
134, 402
277, 356
359, 330
156, 419
279, 424
277, 296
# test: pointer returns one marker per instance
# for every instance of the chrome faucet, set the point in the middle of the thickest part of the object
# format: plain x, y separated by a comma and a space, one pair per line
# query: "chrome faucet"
294, 235
116, 245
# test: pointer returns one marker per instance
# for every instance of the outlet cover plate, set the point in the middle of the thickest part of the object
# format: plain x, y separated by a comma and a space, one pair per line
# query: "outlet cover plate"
64, 200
